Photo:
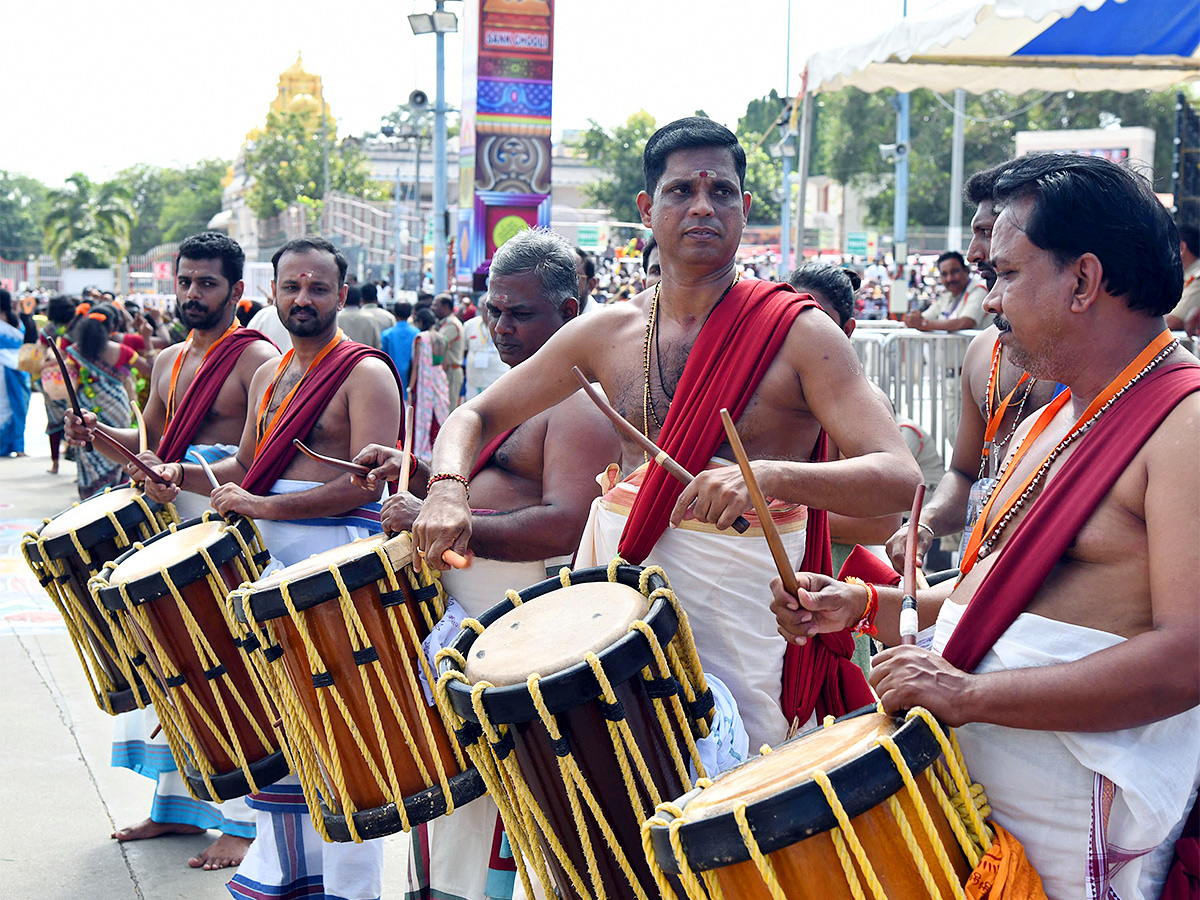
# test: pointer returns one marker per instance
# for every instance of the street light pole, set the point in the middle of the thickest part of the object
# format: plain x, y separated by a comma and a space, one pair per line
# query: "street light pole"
439, 167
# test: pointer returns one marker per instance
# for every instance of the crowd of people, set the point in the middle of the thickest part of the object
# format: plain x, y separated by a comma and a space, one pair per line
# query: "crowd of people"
1073, 471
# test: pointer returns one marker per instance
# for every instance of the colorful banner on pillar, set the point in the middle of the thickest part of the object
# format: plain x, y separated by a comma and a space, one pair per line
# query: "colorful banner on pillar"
504, 160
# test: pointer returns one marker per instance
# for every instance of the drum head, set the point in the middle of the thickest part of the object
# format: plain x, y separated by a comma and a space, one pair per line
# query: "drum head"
554, 632
178, 553
790, 764
310, 582
89, 520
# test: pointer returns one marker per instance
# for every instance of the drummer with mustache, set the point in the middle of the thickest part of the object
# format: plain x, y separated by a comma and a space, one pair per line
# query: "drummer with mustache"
1067, 651
337, 396
197, 404
530, 492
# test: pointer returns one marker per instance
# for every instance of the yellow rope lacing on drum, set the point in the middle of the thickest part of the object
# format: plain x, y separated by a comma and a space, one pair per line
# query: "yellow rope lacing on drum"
967, 806
84, 631
523, 818
314, 751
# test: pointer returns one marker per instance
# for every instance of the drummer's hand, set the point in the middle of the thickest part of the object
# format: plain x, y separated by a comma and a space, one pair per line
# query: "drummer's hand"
444, 523
136, 475
232, 498
384, 462
398, 512
822, 606
162, 493
909, 676
716, 496
897, 542
79, 432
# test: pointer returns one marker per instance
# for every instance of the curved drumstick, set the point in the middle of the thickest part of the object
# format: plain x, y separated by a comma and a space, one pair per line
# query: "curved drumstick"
66, 377
141, 426
678, 472
406, 449
208, 472
782, 564
333, 463
908, 606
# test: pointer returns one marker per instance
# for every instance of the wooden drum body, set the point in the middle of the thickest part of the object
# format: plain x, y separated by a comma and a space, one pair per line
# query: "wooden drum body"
865, 804
171, 593
65, 553
341, 649
583, 699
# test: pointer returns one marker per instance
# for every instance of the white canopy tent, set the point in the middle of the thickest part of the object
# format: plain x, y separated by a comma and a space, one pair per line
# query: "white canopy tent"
1015, 46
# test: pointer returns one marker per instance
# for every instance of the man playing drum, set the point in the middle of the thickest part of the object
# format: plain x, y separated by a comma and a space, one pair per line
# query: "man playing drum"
198, 404
1067, 650
669, 360
531, 490
337, 396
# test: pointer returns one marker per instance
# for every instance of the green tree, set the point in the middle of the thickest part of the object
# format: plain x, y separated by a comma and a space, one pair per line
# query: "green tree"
620, 153
22, 207
851, 124
87, 224
193, 198
147, 187
764, 175
286, 164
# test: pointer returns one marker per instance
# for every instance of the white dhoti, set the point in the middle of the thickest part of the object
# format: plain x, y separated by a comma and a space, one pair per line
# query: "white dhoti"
723, 579
466, 856
1098, 813
289, 859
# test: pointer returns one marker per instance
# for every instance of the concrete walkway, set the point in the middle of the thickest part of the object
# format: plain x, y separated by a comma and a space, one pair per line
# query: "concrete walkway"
61, 797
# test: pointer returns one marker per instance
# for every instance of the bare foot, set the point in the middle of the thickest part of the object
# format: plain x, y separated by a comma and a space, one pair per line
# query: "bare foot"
53, 470
225, 851
148, 828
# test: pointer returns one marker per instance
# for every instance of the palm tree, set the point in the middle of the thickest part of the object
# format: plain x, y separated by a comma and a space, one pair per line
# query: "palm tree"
88, 224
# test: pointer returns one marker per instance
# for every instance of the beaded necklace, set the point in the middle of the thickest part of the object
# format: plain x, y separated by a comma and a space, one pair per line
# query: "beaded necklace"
648, 411
984, 537
994, 417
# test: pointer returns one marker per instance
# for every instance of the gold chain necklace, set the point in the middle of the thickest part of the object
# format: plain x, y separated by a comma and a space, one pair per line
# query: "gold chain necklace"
998, 528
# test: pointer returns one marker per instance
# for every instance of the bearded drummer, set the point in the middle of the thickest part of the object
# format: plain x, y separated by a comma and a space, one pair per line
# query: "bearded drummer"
336, 396
197, 405
669, 360
1067, 651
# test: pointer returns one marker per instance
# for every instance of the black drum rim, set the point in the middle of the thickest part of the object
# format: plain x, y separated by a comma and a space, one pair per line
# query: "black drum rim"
577, 684
182, 573
228, 785
124, 701
421, 807
95, 533
800, 811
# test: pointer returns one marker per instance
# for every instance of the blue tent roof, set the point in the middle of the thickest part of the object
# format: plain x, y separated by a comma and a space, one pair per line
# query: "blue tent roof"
1142, 28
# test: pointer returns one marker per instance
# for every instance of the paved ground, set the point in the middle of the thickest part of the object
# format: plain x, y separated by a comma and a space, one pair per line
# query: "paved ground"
62, 799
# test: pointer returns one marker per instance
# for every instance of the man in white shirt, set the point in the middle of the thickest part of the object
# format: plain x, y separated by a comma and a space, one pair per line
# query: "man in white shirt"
484, 364
960, 305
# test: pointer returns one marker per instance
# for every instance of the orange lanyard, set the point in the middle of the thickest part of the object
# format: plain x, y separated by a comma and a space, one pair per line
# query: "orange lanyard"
264, 431
997, 414
233, 326
982, 530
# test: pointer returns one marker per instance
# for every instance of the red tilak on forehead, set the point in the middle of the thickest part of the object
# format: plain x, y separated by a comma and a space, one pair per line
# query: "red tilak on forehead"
704, 173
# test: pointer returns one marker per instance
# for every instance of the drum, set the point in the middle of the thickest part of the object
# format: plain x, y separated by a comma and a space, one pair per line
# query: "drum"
867, 806
585, 698
170, 594
341, 637
65, 553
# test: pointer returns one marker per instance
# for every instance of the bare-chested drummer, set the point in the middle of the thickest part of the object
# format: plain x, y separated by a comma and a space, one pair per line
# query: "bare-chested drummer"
1068, 650
996, 397
531, 489
336, 396
669, 360
197, 405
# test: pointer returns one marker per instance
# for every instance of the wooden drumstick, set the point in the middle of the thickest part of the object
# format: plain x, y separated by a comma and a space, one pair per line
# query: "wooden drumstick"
678, 472
141, 426
208, 472
406, 449
782, 564
908, 606
340, 464
70, 385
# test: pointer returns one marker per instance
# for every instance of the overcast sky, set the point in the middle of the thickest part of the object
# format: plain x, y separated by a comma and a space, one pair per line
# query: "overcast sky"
97, 87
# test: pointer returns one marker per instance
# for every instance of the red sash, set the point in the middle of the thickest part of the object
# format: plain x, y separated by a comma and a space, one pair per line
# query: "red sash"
820, 675
202, 393
1065, 504
306, 407
735, 348
489, 450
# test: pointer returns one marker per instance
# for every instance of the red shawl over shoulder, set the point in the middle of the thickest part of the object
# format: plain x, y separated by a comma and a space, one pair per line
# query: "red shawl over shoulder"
202, 393
735, 348
306, 407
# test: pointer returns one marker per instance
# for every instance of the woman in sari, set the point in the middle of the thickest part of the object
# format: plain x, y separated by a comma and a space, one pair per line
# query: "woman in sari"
60, 312
14, 384
103, 384
429, 388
